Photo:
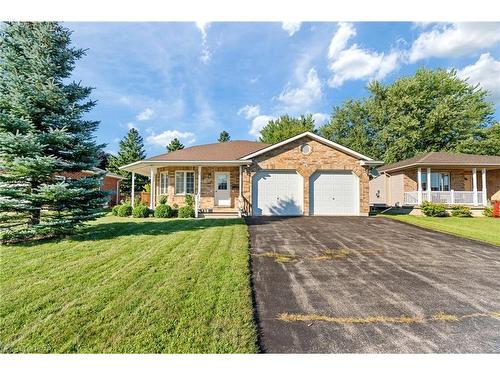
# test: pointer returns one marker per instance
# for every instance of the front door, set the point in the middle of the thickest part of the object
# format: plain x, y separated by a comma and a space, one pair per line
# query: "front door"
222, 192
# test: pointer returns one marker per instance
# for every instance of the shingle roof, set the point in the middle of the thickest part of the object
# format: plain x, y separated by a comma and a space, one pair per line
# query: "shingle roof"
444, 158
222, 151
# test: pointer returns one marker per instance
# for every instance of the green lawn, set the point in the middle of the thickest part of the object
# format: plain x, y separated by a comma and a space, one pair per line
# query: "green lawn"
130, 286
485, 229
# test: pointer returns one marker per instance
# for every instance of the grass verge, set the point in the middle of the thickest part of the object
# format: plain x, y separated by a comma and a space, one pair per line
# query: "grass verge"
486, 229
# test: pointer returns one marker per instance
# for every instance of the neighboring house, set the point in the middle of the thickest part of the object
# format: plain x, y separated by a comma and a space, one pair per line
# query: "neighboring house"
110, 182
453, 179
304, 175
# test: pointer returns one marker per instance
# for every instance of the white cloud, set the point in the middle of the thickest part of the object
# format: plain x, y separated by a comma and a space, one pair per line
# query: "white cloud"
131, 125
291, 27
258, 123
345, 31
147, 114
485, 72
164, 138
206, 54
320, 118
249, 111
454, 40
356, 63
299, 98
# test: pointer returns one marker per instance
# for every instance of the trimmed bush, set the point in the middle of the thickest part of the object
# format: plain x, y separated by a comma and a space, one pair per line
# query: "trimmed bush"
140, 211
433, 209
163, 211
124, 210
186, 211
488, 212
189, 200
163, 199
114, 210
461, 211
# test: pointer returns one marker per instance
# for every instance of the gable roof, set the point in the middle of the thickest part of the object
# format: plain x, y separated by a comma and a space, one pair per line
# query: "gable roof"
443, 158
222, 151
316, 138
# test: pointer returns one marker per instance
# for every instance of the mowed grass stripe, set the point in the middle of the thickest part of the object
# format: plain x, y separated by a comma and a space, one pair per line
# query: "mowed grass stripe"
71, 285
145, 286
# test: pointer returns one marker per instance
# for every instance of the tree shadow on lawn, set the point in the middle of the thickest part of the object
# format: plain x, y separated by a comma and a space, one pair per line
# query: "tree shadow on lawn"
106, 231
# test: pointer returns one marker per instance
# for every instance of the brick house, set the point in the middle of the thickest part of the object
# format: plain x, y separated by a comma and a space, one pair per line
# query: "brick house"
304, 175
442, 177
110, 182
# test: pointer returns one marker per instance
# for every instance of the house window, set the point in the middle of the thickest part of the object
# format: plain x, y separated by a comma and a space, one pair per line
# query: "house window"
163, 183
440, 181
184, 182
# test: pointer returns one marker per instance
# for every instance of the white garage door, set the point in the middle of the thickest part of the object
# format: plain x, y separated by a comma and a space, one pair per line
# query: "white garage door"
334, 193
277, 193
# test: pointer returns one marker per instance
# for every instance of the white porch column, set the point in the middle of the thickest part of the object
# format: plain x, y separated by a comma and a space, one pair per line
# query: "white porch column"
133, 189
429, 195
198, 198
152, 188
419, 184
474, 185
483, 180
239, 191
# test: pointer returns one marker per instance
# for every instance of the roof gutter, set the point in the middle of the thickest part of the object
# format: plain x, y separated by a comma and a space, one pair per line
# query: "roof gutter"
371, 163
453, 165
155, 163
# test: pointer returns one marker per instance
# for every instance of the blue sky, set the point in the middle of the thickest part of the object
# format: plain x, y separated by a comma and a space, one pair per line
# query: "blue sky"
192, 80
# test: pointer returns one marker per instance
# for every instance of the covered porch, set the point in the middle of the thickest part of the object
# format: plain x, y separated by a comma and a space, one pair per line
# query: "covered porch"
216, 187
450, 186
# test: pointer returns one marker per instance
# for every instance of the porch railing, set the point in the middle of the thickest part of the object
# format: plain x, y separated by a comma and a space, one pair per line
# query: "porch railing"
445, 197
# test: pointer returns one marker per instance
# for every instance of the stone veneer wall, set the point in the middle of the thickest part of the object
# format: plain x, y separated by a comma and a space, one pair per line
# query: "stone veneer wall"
207, 184
322, 157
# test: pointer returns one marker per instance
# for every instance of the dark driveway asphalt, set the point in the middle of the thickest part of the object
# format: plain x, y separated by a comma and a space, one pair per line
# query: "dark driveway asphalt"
415, 290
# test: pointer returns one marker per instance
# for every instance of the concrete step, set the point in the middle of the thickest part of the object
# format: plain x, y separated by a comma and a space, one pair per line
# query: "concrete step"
219, 215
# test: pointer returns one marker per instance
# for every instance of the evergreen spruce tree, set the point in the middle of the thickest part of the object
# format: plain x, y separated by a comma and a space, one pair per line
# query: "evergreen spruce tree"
131, 149
224, 136
43, 135
174, 145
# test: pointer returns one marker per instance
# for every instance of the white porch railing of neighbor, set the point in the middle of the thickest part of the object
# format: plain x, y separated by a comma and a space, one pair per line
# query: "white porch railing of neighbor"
411, 198
445, 197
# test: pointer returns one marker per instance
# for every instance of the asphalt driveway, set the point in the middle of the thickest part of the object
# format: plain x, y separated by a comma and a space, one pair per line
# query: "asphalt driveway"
372, 285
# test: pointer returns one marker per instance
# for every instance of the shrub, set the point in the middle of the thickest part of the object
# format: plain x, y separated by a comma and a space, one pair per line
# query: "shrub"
140, 211
186, 211
124, 210
433, 209
461, 211
488, 211
189, 200
115, 209
163, 211
163, 199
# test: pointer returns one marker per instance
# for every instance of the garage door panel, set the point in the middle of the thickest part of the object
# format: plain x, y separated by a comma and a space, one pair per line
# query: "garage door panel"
334, 193
277, 193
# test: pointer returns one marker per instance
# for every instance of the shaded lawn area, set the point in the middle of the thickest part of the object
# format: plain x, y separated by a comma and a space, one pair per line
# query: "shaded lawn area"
130, 286
485, 229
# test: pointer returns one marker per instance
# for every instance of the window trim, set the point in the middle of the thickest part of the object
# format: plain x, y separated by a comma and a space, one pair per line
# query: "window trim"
165, 191
184, 184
